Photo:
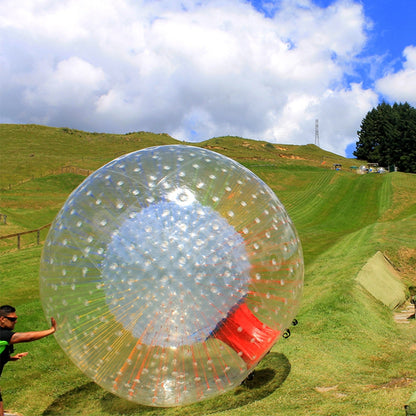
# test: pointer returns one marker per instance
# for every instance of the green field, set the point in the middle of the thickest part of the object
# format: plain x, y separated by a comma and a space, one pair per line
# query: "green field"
347, 356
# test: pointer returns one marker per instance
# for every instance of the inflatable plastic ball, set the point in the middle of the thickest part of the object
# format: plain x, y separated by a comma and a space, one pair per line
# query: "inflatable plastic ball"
171, 271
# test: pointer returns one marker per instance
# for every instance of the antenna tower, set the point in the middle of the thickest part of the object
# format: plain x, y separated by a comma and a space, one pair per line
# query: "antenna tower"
317, 132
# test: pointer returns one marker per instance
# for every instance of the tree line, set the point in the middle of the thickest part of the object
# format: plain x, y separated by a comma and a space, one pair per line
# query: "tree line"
387, 136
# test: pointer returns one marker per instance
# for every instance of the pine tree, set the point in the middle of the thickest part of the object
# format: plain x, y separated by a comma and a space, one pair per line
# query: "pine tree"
387, 136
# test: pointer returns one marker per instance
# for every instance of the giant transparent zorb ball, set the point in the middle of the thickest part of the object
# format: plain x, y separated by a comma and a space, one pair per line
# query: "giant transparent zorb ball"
171, 272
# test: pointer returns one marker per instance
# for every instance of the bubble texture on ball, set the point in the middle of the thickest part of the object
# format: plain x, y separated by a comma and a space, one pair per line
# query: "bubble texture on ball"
172, 271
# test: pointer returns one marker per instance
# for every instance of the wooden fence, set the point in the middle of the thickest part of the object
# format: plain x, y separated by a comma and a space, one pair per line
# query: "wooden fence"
18, 236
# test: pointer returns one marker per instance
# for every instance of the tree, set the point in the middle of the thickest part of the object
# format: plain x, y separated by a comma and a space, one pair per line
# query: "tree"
387, 136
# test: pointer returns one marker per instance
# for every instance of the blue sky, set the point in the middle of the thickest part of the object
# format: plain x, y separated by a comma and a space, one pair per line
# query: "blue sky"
263, 70
392, 31
393, 26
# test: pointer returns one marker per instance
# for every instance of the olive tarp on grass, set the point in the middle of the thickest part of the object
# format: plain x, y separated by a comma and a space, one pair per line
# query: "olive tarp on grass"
382, 281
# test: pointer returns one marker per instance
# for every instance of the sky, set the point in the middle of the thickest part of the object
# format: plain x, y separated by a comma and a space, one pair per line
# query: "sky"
263, 70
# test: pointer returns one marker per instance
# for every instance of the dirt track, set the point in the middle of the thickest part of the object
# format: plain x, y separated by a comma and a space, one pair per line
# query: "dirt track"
401, 315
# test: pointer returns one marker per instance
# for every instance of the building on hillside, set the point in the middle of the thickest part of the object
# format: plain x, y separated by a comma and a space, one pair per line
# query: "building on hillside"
372, 167
362, 169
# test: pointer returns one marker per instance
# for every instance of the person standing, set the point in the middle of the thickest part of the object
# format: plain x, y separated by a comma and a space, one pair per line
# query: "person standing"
8, 338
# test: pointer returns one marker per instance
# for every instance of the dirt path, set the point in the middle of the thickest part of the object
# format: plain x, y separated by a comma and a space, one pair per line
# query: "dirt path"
402, 314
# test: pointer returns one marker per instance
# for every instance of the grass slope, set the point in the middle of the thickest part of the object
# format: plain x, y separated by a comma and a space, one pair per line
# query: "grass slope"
31, 151
346, 357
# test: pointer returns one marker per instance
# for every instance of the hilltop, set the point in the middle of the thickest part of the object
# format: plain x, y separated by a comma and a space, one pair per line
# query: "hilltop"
31, 151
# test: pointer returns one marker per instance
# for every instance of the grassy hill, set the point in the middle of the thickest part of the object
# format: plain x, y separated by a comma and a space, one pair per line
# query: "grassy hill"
347, 356
31, 151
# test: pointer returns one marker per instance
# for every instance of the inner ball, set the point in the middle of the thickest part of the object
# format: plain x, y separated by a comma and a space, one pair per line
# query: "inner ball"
175, 270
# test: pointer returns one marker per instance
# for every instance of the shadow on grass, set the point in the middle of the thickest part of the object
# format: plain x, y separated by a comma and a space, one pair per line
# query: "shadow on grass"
269, 375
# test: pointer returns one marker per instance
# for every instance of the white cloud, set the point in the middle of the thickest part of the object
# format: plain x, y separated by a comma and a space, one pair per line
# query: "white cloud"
401, 86
72, 82
192, 69
339, 113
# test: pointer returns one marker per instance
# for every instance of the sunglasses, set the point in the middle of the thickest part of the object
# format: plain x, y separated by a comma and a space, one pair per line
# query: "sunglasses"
11, 319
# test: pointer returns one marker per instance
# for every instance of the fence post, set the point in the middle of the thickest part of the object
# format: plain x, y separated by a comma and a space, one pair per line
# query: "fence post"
18, 241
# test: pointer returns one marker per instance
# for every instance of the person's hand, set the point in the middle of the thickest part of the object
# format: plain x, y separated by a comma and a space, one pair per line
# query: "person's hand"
53, 324
18, 356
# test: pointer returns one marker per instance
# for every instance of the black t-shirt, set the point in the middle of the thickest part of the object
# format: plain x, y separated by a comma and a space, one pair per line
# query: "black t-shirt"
5, 335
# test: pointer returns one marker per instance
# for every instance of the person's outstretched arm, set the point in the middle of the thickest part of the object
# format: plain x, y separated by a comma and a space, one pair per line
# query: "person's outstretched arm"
18, 337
